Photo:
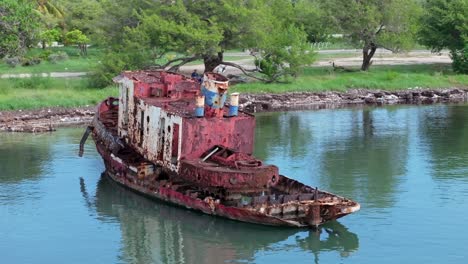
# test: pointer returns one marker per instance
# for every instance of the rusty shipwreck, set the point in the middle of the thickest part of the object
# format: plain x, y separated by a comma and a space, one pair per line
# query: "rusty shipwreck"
173, 138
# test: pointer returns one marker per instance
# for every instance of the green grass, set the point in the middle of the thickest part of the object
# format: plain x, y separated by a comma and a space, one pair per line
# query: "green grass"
37, 92
75, 63
318, 79
71, 65
30, 93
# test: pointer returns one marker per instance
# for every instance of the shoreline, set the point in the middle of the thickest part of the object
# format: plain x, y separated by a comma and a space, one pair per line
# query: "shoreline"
48, 119
267, 102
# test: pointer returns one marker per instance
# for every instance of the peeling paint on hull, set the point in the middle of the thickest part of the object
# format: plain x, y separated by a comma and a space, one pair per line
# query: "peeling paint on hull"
171, 196
152, 143
294, 194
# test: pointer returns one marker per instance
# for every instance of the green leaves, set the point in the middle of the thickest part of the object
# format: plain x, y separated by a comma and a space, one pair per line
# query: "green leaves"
389, 24
76, 37
48, 36
18, 27
445, 25
284, 52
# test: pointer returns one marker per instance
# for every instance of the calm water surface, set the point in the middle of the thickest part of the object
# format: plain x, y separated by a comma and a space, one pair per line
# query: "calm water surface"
406, 165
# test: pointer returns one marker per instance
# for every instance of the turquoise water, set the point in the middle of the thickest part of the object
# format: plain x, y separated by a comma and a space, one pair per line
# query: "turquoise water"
406, 165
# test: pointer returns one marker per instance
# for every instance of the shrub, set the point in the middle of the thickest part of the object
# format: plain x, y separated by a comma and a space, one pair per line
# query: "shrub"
113, 63
56, 57
110, 66
460, 60
30, 61
45, 54
12, 61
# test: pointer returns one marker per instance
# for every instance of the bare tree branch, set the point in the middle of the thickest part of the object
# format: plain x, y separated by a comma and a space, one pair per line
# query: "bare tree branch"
174, 68
388, 48
382, 26
245, 71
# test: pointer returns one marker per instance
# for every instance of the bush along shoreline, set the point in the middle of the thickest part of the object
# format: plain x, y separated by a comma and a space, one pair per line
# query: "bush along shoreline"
48, 119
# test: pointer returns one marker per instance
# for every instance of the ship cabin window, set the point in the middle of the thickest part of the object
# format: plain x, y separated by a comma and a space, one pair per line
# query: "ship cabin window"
157, 92
162, 139
175, 144
142, 126
147, 124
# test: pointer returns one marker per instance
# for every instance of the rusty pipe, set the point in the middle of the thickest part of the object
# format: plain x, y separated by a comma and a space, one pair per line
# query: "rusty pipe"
83, 140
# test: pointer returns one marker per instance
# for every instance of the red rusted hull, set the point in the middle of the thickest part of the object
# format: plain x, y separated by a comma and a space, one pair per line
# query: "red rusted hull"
285, 203
209, 207
168, 139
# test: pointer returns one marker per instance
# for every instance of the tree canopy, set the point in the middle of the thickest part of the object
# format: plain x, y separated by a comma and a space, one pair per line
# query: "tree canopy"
206, 29
445, 25
167, 34
18, 27
77, 37
388, 24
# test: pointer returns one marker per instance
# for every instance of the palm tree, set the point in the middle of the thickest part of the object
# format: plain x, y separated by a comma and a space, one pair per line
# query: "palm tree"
48, 7
52, 16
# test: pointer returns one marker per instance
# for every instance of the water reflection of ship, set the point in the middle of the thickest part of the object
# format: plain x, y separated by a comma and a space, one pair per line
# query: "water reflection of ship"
153, 232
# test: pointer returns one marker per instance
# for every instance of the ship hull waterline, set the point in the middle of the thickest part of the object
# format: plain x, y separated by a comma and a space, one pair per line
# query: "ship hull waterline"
114, 166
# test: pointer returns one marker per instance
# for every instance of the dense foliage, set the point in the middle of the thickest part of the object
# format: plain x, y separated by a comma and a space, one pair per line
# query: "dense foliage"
373, 24
18, 27
167, 34
445, 25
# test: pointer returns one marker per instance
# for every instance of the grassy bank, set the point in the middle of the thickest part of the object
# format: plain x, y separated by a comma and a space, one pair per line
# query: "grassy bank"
318, 79
39, 92
30, 93
75, 63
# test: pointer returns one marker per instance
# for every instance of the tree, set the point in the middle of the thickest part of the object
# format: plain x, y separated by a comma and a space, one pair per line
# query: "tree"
280, 40
18, 27
283, 53
49, 36
76, 37
309, 15
445, 25
52, 21
48, 7
206, 29
388, 24
119, 15
84, 15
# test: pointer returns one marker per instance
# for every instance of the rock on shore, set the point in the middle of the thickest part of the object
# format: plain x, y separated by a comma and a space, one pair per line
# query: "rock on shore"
48, 119
44, 120
313, 100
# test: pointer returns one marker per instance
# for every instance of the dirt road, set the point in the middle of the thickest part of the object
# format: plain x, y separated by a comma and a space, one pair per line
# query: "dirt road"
344, 57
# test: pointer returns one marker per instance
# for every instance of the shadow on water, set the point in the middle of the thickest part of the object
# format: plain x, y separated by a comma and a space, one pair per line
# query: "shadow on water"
157, 232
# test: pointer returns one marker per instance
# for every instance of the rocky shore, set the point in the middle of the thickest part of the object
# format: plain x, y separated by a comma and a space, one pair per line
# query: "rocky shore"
310, 100
44, 120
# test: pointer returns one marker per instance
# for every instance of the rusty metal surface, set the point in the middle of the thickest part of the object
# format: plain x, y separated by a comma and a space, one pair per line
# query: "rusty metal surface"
151, 142
209, 174
287, 203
